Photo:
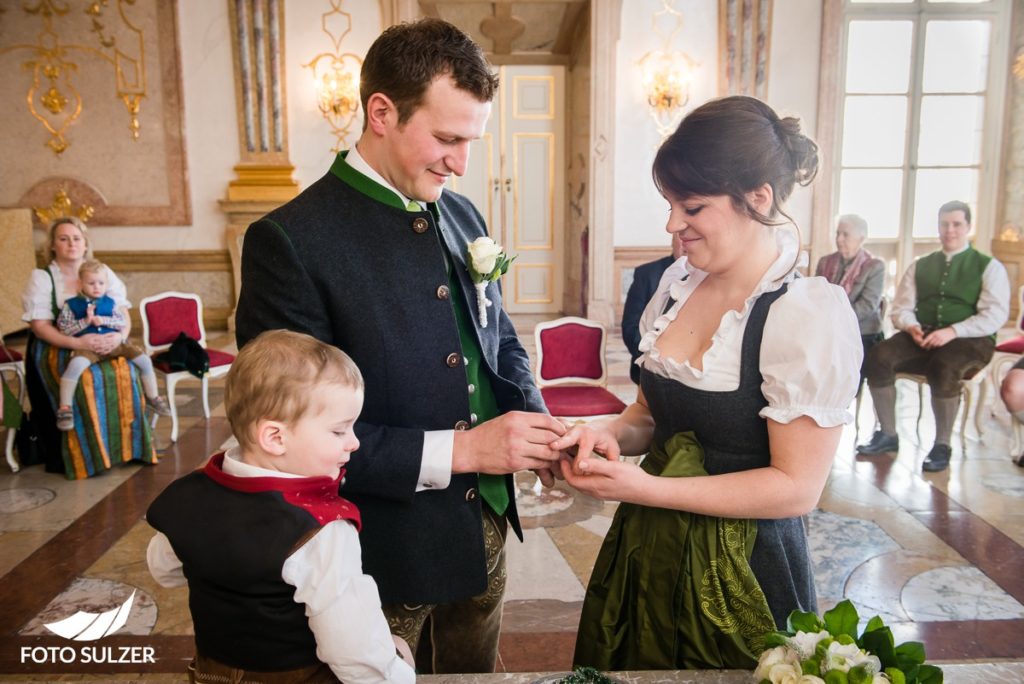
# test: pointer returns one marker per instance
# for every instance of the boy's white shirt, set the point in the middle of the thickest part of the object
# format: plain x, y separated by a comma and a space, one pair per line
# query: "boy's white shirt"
342, 603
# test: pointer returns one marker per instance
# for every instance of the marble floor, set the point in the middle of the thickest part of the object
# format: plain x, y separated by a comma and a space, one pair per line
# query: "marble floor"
939, 556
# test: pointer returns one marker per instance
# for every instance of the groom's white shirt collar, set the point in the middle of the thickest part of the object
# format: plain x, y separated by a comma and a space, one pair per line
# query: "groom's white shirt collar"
356, 161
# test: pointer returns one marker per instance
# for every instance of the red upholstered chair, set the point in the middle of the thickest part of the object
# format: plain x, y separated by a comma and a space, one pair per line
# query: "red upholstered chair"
12, 362
164, 316
571, 371
1008, 352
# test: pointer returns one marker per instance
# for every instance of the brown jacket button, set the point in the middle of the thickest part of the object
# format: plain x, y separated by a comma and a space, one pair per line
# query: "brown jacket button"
470, 494
461, 425
420, 225
453, 360
442, 292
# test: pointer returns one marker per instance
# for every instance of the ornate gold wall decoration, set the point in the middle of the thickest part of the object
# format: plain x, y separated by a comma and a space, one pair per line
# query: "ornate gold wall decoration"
336, 76
1018, 66
52, 97
62, 206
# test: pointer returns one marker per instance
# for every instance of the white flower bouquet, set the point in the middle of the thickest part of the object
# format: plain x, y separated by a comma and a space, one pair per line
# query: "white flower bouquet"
827, 650
486, 263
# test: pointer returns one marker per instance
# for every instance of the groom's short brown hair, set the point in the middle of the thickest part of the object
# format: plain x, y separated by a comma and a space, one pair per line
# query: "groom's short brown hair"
406, 58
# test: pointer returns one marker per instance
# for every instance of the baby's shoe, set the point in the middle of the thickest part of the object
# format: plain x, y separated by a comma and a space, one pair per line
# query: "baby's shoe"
158, 405
65, 419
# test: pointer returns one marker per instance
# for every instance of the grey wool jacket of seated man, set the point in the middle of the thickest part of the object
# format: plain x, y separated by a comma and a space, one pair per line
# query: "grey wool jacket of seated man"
347, 264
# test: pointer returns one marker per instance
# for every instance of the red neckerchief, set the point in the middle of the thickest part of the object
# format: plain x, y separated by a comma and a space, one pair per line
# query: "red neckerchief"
318, 495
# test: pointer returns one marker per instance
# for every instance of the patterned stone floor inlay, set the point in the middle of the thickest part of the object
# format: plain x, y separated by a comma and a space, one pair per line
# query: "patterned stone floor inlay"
838, 544
532, 503
957, 593
92, 595
1006, 486
938, 557
24, 499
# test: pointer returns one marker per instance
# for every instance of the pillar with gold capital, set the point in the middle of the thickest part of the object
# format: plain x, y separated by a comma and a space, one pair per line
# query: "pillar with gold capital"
264, 172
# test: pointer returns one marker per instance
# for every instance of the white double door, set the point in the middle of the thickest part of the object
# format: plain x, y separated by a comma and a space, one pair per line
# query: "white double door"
515, 178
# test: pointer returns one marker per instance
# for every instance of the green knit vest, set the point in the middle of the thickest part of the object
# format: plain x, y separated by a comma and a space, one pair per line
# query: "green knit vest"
947, 292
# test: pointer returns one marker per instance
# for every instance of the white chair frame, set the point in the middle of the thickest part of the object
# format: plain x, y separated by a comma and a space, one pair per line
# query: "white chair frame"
1002, 361
18, 368
973, 393
171, 379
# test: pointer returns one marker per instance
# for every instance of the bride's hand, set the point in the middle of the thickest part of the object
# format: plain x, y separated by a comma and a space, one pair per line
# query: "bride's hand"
583, 441
607, 480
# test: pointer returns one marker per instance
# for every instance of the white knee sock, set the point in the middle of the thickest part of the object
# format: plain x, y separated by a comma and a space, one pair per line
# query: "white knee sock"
145, 365
69, 380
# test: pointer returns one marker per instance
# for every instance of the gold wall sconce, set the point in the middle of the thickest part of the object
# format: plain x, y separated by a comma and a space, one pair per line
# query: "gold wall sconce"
336, 76
666, 73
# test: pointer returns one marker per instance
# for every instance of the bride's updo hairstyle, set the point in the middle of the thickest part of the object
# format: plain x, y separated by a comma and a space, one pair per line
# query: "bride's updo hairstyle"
731, 146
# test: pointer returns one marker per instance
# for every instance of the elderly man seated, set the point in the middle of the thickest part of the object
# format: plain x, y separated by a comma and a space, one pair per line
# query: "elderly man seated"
948, 307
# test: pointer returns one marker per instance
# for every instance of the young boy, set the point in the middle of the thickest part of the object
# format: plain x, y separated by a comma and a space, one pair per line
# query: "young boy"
92, 311
268, 547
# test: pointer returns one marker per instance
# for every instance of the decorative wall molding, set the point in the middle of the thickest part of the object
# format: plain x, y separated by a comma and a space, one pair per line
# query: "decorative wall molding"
605, 19
827, 134
150, 272
173, 261
627, 259
100, 147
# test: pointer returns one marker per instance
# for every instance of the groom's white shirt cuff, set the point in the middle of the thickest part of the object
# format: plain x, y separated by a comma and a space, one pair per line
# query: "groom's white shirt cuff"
436, 466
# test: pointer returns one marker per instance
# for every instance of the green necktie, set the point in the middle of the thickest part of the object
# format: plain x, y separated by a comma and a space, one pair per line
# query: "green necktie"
492, 487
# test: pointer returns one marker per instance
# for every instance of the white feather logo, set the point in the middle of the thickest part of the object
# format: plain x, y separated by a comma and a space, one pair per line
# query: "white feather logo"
84, 626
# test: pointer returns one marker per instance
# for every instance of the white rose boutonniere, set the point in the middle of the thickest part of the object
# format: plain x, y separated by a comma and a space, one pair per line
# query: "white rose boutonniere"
487, 262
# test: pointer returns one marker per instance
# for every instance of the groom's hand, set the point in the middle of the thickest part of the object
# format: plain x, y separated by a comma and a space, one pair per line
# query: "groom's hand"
509, 443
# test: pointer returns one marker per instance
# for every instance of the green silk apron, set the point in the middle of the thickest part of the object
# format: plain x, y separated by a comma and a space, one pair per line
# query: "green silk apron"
673, 589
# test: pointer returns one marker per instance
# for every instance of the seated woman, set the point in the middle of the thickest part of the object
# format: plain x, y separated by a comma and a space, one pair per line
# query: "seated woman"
1012, 394
854, 269
109, 422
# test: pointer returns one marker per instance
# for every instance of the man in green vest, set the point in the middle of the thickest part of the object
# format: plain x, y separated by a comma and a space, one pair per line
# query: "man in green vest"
948, 308
373, 258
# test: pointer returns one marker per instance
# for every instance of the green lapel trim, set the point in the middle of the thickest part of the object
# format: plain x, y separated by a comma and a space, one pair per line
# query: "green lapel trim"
370, 188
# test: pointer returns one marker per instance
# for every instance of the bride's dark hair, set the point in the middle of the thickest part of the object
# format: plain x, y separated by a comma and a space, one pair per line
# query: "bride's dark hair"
731, 146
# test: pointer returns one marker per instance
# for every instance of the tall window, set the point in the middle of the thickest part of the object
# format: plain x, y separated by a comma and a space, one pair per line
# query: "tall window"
921, 86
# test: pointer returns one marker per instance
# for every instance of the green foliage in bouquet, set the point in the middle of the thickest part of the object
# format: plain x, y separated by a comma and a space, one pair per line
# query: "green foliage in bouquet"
585, 675
828, 649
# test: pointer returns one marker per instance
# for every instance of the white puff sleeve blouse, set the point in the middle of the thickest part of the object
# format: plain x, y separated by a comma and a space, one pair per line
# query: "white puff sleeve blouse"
811, 350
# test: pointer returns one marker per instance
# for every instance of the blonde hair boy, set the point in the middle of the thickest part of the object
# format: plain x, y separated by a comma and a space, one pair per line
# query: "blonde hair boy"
274, 380
269, 549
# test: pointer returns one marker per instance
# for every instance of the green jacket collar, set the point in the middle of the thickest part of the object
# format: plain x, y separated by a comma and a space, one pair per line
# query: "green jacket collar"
372, 189
368, 187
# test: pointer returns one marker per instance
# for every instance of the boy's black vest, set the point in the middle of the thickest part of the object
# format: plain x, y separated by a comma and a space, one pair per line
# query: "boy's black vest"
233, 536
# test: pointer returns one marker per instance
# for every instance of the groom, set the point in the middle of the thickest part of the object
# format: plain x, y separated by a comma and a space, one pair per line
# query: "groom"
372, 258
